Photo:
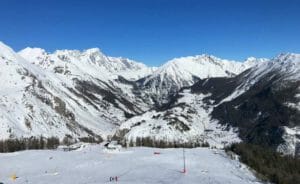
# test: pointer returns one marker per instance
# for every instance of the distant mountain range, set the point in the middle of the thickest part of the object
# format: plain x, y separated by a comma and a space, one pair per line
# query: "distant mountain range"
190, 99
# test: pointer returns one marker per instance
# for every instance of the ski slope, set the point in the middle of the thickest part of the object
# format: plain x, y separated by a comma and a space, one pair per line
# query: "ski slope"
92, 164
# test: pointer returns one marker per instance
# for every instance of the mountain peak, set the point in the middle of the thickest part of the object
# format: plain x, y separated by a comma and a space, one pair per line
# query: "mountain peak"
197, 58
251, 58
93, 51
6, 51
32, 51
202, 66
252, 61
36, 56
288, 57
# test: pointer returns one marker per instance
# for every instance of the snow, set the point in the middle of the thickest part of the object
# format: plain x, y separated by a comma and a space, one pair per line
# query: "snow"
185, 71
19, 104
182, 70
91, 164
287, 66
57, 72
90, 60
292, 140
6, 52
36, 56
237, 92
194, 113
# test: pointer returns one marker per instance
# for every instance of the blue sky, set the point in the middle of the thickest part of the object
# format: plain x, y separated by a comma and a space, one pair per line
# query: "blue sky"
153, 31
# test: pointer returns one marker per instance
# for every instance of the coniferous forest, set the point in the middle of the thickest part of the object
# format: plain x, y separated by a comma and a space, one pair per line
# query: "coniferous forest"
271, 166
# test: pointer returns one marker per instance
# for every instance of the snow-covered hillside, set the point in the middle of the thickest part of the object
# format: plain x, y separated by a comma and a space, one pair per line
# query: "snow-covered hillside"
84, 93
185, 71
154, 85
198, 99
91, 60
59, 99
264, 104
91, 164
285, 67
261, 105
187, 120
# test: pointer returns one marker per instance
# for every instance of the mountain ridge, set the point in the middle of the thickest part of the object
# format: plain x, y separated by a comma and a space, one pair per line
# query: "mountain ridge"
189, 99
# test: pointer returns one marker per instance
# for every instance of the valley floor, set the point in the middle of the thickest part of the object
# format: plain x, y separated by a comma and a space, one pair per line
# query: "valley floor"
92, 164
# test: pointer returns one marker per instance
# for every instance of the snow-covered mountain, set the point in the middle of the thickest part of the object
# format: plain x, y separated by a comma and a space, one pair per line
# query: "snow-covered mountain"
265, 105
185, 71
91, 60
199, 99
71, 93
154, 85
260, 105
184, 121
59, 97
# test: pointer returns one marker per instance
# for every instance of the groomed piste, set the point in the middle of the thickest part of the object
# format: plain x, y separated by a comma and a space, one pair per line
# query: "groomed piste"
93, 164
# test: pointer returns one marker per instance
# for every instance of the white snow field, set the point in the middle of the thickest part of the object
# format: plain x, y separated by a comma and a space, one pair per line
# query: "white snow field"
93, 165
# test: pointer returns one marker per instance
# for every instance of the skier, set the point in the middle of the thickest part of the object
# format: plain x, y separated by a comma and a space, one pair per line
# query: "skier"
113, 178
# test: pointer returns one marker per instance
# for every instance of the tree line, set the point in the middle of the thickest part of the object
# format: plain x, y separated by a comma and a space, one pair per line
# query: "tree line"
18, 144
269, 164
150, 142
